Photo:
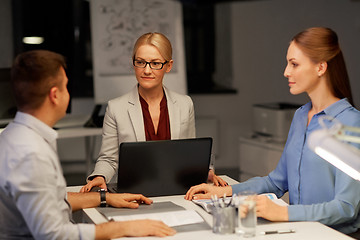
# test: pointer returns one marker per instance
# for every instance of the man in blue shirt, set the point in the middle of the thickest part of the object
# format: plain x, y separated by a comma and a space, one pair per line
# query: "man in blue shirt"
33, 198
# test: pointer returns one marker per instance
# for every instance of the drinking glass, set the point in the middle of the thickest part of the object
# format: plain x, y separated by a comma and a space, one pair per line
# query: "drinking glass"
247, 220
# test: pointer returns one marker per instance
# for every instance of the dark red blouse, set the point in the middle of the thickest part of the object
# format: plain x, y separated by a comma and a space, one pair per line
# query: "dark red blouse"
163, 132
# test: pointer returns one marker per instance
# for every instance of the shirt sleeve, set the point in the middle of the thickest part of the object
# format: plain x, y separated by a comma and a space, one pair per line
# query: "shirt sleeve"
258, 185
107, 162
343, 208
39, 192
192, 131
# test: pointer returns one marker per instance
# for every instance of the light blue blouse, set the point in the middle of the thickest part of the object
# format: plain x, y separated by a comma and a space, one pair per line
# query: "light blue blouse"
317, 190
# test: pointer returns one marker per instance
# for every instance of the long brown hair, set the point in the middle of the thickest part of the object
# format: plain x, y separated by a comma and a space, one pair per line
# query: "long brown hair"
321, 44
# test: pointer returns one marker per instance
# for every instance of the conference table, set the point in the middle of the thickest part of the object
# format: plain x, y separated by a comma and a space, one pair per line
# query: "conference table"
303, 230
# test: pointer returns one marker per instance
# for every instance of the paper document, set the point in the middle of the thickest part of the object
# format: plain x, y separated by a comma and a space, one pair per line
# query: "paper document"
172, 218
275, 199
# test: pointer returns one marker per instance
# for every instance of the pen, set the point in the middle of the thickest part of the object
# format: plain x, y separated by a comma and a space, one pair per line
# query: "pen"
278, 231
231, 200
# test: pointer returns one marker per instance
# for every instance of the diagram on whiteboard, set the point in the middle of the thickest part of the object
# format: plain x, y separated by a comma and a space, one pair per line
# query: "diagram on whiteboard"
118, 23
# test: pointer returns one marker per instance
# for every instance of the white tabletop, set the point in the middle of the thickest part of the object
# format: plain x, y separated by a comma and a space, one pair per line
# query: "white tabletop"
304, 230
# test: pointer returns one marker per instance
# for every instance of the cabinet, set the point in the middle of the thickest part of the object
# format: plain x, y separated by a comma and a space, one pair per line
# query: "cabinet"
257, 156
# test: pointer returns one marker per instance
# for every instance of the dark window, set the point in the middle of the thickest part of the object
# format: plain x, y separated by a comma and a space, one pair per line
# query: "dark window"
65, 26
199, 34
199, 45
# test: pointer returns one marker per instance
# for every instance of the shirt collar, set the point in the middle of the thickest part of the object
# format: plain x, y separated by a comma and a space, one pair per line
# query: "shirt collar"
337, 107
49, 134
333, 110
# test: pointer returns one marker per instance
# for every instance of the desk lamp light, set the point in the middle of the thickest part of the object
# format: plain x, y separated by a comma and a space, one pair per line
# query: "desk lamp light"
332, 144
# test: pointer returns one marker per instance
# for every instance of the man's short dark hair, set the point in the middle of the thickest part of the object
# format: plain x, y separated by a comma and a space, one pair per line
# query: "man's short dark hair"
33, 74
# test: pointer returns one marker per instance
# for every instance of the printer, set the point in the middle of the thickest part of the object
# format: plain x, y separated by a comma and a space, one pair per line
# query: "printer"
273, 120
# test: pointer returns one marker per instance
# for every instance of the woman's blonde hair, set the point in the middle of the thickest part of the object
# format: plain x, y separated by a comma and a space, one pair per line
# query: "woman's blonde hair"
158, 40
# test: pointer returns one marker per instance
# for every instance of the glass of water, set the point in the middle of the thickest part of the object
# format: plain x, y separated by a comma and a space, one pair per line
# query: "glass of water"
247, 220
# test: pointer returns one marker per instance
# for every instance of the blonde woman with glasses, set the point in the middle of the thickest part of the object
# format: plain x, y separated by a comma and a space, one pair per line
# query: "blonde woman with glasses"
149, 112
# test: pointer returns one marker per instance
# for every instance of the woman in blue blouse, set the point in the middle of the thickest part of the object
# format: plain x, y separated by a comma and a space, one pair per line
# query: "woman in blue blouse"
317, 190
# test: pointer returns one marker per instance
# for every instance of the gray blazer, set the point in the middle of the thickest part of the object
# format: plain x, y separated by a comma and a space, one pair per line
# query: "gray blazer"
123, 122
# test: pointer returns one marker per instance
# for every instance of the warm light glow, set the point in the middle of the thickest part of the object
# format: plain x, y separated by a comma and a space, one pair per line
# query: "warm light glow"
337, 162
33, 40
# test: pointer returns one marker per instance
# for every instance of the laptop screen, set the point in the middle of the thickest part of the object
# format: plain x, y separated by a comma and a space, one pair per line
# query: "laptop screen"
161, 168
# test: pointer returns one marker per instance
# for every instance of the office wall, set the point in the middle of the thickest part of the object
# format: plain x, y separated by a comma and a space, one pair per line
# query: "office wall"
260, 33
256, 49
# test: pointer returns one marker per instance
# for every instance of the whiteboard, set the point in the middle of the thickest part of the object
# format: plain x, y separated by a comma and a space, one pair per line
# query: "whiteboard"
115, 26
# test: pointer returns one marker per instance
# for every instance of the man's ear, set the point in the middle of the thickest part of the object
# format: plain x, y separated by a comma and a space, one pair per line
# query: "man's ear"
322, 67
53, 95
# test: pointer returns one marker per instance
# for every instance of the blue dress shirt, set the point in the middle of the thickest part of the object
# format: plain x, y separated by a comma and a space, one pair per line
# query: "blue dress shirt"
33, 194
318, 191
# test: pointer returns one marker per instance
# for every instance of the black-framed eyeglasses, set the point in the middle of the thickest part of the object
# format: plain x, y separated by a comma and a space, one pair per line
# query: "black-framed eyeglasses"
153, 65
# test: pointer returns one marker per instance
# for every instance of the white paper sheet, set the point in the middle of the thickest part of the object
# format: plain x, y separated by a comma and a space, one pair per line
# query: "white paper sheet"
172, 218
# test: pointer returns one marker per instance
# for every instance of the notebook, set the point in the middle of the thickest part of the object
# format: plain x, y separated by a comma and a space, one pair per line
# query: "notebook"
162, 168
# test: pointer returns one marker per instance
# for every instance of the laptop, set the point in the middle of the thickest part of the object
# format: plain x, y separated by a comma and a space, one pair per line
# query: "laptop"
162, 168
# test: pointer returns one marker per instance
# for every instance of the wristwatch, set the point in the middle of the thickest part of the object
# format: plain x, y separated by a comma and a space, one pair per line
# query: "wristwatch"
102, 197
